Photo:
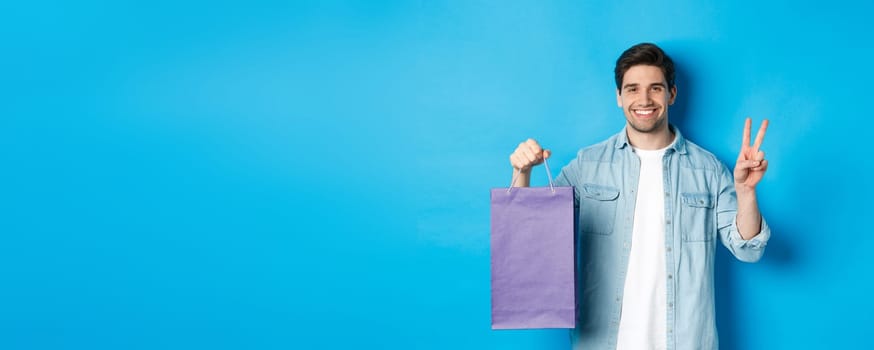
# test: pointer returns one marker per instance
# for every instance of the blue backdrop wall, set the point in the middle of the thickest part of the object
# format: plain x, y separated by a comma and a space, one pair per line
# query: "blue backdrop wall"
295, 175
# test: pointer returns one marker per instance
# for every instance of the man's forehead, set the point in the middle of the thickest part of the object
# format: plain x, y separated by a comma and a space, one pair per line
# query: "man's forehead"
643, 74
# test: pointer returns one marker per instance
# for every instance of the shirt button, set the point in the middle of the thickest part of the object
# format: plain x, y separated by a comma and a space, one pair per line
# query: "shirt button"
670, 304
667, 194
670, 276
668, 222
669, 249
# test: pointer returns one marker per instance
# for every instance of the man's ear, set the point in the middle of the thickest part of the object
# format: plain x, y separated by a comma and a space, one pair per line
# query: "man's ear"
673, 95
619, 98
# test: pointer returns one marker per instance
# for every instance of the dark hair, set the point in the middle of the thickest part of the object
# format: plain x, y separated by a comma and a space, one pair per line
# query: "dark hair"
644, 54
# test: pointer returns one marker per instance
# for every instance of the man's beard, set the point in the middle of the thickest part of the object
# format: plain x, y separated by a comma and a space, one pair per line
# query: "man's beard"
647, 128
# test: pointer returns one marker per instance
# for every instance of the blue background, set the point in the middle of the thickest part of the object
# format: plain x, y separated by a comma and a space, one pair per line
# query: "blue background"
275, 175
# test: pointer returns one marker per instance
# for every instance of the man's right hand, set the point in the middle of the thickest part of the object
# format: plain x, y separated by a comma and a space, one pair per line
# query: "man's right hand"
527, 155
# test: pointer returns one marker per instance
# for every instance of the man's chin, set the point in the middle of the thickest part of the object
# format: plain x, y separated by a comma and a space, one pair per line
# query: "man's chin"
646, 128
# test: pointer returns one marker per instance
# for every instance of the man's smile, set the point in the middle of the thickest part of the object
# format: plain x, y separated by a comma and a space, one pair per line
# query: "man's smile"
644, 112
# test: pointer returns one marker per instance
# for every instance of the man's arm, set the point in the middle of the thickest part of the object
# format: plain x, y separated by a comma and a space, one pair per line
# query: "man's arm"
748, 171
749, 219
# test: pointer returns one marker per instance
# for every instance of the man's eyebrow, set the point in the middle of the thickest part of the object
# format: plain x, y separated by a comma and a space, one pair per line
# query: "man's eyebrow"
634, 85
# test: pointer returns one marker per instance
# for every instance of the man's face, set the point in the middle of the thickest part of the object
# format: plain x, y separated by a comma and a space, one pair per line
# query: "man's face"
644, 98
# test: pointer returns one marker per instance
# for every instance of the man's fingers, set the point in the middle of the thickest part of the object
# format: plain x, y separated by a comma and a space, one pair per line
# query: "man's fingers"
752, 165
746, 138
530, 146
761, 168
760, 155
748, 164
529, 154
760, 135
533, 146
516, 162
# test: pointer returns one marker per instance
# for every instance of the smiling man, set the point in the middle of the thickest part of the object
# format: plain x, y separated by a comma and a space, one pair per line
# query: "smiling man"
651, 206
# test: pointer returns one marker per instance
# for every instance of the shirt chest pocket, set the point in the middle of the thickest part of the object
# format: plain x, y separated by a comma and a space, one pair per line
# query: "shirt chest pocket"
598, 209
697, 217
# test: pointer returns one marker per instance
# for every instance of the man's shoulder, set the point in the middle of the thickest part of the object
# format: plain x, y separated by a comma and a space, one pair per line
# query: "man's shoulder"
700, 158
599, 151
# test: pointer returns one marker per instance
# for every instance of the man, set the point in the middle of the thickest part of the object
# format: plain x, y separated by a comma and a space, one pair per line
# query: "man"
650, 206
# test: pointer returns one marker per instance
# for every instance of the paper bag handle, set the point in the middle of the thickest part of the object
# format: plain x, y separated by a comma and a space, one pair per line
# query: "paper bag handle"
548, 173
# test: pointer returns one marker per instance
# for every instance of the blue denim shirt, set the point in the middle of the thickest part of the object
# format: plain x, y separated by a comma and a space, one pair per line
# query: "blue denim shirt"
700, 204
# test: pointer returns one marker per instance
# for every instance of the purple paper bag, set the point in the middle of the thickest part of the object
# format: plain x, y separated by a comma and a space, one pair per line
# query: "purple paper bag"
532, 246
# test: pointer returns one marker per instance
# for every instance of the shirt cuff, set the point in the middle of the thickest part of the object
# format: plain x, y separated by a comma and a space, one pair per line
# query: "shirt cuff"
758, 242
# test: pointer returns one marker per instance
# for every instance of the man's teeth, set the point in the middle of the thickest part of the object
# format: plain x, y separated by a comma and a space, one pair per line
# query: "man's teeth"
644, 112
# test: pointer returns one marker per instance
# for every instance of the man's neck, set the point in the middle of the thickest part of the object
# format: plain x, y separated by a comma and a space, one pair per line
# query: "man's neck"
650, 140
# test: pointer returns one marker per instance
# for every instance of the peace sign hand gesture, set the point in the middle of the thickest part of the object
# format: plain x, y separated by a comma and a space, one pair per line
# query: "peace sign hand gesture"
751, 164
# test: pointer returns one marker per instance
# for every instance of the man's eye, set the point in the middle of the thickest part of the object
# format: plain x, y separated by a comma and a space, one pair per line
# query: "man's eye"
631, 89
657, 89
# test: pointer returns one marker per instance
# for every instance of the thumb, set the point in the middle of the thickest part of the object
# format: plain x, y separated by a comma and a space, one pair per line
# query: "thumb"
747, 164
546, 153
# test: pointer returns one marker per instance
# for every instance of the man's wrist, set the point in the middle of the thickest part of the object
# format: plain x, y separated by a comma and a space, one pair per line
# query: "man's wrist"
743, 190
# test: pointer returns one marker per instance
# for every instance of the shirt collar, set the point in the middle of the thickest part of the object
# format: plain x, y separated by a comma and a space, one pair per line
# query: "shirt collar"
679, 144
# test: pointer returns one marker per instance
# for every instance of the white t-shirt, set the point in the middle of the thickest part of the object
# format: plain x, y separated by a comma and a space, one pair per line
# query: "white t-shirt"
644, 302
